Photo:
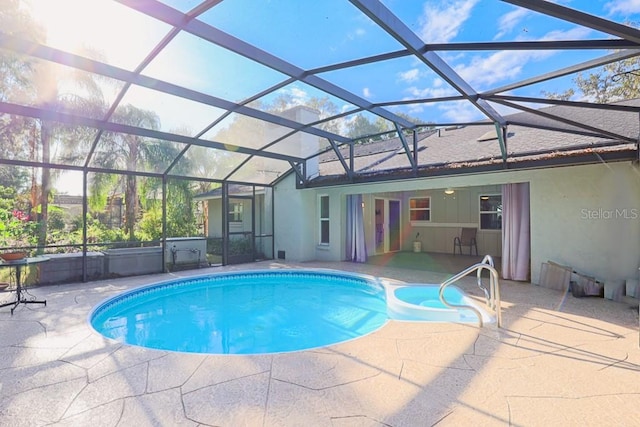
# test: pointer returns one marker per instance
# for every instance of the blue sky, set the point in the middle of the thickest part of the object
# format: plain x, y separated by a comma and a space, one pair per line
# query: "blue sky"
311, 34
314, 34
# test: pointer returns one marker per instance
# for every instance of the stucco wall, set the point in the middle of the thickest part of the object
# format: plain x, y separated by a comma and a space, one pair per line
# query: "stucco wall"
215, 218
588, 217
295, 221
584, 216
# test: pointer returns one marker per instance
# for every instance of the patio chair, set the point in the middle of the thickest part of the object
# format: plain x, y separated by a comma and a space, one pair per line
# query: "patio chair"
467, 238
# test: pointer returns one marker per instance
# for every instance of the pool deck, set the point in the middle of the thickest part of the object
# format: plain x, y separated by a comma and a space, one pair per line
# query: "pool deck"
557, 361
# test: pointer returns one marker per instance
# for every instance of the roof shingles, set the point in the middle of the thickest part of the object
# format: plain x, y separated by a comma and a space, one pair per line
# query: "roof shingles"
451, 148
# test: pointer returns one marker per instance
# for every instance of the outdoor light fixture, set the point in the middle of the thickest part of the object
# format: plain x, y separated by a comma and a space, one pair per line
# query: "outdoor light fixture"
449, 191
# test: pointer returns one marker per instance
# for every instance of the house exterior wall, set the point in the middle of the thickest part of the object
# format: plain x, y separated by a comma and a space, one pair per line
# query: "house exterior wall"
264, 224
449, 213
295, 223
215, 217
586, 216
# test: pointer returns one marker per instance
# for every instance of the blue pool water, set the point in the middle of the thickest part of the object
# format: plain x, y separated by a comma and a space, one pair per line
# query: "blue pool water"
419, 302
245, 313
269, 311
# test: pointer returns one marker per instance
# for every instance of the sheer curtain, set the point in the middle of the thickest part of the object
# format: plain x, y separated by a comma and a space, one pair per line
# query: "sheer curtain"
356, 248
515, 231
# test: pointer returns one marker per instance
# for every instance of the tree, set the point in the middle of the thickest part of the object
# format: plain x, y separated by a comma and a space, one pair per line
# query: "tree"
415, 121
131, 153
29, 81
361, 126
180, 214
357, 127
16, 73
180, 218
612, 82
127, 152
207, 163
324, 106
49, 81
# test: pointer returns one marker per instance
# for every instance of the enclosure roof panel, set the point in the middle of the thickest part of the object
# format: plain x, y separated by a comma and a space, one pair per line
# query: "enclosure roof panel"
268, 88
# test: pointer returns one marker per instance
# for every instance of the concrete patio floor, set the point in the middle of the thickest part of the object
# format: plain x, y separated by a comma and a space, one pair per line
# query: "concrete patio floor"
557, 361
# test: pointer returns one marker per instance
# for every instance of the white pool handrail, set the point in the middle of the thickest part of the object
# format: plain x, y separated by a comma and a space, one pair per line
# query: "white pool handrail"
487, 293
492, 295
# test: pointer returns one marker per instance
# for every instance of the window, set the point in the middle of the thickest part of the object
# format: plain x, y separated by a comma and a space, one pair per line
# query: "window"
235, 212
490, 212
324, 220
420, 209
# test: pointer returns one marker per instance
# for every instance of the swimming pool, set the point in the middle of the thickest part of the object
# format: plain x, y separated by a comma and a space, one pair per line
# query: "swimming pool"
419, 302
267, 311
262, 311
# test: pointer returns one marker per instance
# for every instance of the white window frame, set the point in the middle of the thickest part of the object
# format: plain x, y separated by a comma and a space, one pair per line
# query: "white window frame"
422, 221
488, 212
322, 220
236, 210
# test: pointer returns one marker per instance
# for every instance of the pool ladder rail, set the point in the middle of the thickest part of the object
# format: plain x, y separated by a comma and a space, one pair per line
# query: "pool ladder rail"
492, 295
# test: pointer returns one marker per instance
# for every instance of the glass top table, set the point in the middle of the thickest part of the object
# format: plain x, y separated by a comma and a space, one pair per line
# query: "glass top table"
22, 296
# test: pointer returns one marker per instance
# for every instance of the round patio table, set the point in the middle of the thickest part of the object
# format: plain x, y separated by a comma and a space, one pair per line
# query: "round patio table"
22, 296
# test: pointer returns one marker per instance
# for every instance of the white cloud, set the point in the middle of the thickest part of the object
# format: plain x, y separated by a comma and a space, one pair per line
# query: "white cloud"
483, 71
409, 76
441, 22
576, 33
507, 22
499, 66
436, 90
415, 109
356, 34
489, 70
461, 112
345, 107
299, 96
623, 6
366, 92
